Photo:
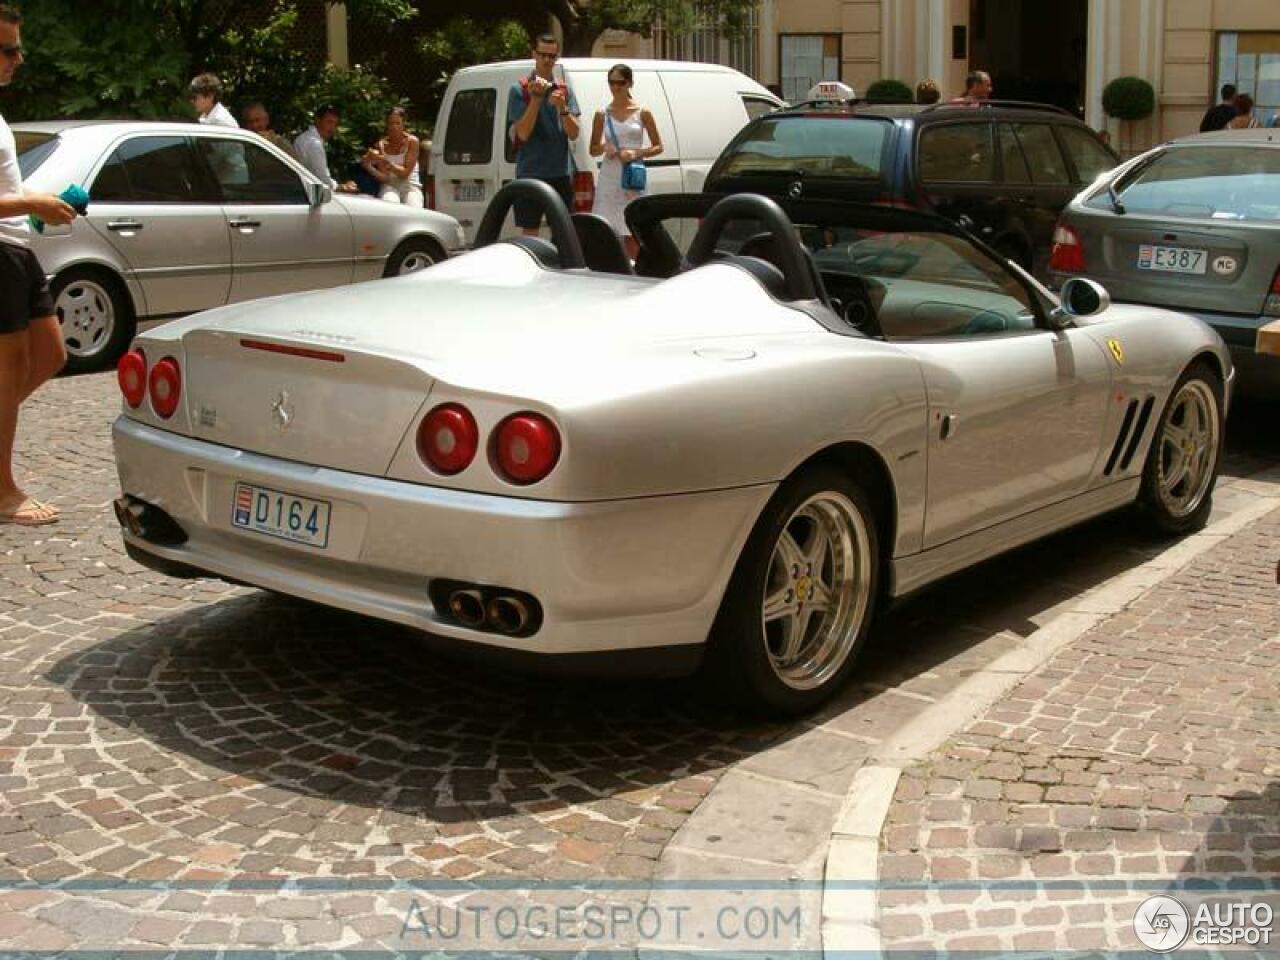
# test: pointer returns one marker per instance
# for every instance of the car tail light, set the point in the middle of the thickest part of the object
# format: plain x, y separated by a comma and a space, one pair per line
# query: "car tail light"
1068, 251
131, 374
1272, 307
430, 195
448, 438
526, 447
165, 386
584, 192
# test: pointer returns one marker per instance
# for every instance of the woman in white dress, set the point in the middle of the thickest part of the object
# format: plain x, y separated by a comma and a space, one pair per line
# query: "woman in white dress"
618, 133
394, 162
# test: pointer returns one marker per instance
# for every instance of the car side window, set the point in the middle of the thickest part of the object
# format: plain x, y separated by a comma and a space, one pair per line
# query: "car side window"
248, 173
111, 185
1090, 157
1048, 168
957, 153
757, 106
155, 170
469, 137
1012, 161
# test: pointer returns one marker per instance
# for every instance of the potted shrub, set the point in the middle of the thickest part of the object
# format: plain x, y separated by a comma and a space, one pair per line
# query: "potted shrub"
890, 91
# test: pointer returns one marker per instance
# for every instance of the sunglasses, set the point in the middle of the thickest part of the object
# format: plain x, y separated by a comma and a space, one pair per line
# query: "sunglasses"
11, 50
546, 56
618, 83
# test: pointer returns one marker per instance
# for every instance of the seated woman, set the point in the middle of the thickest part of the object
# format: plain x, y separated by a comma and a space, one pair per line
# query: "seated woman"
393, 162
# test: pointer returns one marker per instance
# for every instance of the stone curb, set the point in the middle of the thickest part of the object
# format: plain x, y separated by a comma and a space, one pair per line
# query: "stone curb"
850, 917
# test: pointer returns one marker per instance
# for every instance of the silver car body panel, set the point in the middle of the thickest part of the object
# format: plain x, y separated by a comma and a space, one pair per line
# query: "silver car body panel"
188, 257
682, 404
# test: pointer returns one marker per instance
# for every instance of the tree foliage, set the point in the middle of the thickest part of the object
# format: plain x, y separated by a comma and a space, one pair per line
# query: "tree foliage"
890, 90
1129, 98
463, 41
584, 20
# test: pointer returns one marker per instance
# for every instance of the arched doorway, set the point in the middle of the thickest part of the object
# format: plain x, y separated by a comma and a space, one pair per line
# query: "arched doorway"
1034, 50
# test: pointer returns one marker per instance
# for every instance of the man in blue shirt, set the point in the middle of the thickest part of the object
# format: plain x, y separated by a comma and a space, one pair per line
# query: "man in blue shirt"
542, 118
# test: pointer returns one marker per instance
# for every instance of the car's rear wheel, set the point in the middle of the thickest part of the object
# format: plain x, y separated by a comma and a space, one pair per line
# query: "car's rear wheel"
412, 255
801, 598
95, 316
1186, 451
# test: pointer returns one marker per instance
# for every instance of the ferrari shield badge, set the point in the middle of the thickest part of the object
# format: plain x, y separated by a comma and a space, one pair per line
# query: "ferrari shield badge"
1117, 350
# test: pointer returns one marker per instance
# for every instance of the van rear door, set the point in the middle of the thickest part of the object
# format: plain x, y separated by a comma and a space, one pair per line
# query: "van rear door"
709, 111
466, 163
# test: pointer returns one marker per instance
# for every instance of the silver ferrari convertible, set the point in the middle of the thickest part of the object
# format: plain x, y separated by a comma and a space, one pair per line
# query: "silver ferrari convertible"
725, 457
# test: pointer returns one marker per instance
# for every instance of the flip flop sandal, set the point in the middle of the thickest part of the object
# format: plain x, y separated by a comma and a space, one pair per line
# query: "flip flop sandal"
31, 513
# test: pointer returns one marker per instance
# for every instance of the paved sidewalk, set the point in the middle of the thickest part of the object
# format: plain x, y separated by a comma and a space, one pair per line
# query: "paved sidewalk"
1146, 751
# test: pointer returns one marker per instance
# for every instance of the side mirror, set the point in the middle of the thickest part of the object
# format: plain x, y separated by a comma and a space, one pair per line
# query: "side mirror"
1079, 298
318, 193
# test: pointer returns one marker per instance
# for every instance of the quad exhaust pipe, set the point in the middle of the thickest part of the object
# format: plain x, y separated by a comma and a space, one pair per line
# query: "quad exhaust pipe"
148, 522
511, 613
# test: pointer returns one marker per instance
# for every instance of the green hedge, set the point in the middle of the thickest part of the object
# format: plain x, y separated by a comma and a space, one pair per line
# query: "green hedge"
890, 90
1129, 98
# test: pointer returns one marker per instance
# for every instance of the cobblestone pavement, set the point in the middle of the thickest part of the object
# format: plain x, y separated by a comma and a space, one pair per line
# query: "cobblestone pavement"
214, 747
1148, 751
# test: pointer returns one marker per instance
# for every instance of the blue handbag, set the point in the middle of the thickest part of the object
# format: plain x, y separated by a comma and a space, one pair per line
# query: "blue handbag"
634, 174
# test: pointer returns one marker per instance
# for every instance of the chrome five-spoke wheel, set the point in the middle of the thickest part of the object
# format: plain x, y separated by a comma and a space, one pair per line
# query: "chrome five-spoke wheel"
1188, 449
817, 590
801, 598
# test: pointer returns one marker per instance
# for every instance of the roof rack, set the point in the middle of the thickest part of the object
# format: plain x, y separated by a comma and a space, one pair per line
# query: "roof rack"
964, 104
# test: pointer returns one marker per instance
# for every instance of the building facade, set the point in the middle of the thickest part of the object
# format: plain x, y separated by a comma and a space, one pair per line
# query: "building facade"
1057, 51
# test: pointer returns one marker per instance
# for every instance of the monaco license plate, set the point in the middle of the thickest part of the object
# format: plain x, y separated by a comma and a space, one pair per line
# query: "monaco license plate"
286, 516
468, 193
1172, 259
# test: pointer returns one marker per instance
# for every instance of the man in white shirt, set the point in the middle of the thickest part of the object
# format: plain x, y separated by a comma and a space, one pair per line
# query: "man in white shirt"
31, 348
309, 148
206, 96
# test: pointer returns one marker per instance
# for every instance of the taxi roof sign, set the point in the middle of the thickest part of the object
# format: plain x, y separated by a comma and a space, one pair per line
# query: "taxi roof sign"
832, 90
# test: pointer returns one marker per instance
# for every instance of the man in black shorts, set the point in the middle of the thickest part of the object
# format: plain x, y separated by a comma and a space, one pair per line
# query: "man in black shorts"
31, 348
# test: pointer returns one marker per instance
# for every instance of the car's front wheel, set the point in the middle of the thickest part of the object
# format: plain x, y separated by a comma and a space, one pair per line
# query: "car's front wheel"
95, 316
1186, 450
412, 255
801, 598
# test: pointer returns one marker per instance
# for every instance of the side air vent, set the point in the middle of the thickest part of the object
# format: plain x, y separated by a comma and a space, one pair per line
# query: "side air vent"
1126, 425
1136, 440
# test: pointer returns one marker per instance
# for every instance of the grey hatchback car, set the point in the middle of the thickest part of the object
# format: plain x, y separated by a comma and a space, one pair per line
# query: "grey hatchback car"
1193, 225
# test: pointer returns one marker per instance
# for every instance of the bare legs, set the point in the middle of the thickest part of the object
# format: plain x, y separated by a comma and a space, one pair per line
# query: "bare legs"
27, 359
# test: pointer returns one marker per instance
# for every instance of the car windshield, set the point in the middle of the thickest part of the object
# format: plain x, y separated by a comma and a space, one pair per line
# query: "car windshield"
824, 146
33, 149
1211, 182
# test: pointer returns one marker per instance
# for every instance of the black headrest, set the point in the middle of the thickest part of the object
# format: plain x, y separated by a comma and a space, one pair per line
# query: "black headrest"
601, 247
770, 277
543, 250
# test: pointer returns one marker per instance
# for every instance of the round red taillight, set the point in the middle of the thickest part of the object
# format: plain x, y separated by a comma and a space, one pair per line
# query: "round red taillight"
165, 386
448, 438
526, 447
131, 374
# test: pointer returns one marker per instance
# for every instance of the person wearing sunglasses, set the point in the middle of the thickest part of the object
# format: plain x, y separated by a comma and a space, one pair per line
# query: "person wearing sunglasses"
542, 118
31, 348
618, 132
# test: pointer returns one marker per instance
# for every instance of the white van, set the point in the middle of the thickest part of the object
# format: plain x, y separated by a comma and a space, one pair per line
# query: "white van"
698, 107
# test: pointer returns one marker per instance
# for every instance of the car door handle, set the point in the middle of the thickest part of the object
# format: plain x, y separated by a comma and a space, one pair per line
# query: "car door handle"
244, 224
124, 226
949, 424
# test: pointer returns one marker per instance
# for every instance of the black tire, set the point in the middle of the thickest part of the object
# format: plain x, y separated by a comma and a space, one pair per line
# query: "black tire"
411, 250
96, 316
744, 660
1194, 405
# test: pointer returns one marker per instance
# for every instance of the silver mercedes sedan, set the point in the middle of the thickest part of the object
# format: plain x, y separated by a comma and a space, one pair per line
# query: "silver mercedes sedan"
185, 217
1192, 225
